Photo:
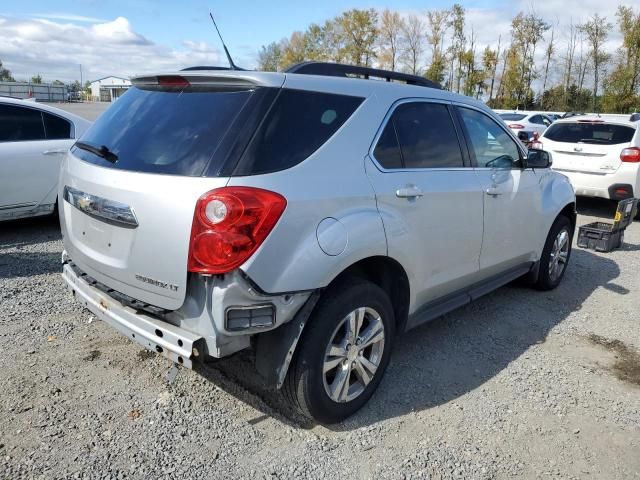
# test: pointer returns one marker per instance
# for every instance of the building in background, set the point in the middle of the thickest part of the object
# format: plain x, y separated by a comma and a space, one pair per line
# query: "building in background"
108, 89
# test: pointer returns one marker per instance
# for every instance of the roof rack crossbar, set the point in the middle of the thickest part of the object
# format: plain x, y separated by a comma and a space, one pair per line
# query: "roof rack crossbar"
348, 71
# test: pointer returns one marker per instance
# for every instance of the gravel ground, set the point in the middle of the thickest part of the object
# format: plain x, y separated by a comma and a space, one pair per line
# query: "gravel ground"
519, 384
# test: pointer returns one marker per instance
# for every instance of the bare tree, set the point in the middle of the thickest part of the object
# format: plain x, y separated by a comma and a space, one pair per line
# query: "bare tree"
414, 33
390, 30
596, 31
550, 50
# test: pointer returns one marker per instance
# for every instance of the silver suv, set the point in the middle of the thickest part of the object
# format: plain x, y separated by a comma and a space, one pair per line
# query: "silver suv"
312, 215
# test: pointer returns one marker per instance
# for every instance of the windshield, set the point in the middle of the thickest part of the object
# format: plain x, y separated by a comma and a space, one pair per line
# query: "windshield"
160, 131
595, 133
512, 116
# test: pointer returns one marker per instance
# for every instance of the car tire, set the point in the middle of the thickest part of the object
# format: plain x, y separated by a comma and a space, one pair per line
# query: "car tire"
332, 374
555, 255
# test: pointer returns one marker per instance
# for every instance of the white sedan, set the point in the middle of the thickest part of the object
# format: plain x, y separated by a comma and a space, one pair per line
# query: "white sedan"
526, 122
33, 140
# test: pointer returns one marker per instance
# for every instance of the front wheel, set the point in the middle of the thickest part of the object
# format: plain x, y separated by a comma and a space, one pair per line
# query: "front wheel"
555, 255
344, 352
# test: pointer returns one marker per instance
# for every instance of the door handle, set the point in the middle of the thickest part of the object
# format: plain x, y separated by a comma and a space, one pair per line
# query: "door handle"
54, 152
493, 191
410, 191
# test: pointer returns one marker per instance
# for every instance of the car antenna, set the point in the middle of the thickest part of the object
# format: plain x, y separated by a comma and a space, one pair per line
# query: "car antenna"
232, 65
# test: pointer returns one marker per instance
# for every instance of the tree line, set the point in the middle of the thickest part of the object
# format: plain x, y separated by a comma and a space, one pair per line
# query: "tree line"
7, 76
539, 66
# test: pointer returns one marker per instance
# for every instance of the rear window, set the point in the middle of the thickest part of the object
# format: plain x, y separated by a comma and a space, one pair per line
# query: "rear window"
20, 124
511, 117
57, 128
298, 123
596, 133
170, 132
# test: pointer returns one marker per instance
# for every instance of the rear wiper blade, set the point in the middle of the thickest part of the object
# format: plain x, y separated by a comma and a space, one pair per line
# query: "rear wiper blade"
102, 152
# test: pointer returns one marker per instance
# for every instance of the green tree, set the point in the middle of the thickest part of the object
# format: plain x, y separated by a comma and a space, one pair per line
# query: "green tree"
360, 31
596, 31
437, 25
490, 63
622, 85
294, 50
269, 57
458, 45
37, 79
5, 74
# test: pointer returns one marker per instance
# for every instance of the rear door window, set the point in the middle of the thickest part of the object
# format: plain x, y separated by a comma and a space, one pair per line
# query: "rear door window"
20, 124
298, 123
594, 133
57, 128
387, 151
425, 136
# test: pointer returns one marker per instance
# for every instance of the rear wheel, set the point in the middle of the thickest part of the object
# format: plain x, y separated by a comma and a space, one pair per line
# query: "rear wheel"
556, 253
344, 352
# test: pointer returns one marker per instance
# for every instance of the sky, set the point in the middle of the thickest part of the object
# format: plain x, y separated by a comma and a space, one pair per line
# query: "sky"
129, 37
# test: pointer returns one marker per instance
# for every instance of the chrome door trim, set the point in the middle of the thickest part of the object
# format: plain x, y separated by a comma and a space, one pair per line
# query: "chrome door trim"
108, 211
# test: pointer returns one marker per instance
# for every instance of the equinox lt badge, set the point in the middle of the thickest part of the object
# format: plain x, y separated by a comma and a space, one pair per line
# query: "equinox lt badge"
157, 283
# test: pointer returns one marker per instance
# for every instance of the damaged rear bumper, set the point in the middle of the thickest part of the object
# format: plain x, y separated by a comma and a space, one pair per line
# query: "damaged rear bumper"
175, 343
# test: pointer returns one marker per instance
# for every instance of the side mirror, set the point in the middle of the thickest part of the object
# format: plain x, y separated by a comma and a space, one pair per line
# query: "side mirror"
538, 159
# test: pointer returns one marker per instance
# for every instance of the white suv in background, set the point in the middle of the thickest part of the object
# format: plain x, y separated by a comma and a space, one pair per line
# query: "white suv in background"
33, 140
599, 154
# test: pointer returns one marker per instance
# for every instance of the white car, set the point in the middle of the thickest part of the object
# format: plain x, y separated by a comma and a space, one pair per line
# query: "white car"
599, 154
33, 141
533, 122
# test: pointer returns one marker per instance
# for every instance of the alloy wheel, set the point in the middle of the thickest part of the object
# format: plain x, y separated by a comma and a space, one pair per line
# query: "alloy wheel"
353, 355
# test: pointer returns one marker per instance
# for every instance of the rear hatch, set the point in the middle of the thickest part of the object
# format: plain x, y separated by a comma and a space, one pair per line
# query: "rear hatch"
132, 181
587, 146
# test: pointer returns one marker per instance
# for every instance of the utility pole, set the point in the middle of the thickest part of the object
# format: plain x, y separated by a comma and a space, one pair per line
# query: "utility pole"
81, 84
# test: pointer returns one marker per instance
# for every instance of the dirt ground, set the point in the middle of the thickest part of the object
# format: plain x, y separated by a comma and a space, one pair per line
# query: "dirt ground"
519, 384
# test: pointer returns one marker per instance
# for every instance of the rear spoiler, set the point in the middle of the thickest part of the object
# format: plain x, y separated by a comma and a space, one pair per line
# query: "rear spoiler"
211, 78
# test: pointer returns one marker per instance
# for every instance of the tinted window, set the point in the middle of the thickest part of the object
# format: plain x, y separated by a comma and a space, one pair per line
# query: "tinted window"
297, 125
596, 133
490, 144
427, 136
56, 127
536, 119
387, 151
165, 131
20, 124
510, 117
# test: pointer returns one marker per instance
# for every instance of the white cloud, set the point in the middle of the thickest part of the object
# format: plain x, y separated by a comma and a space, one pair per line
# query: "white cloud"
69, 16
55, 49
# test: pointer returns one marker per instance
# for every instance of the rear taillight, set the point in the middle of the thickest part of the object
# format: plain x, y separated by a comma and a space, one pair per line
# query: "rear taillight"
516, 126
229, 224
630, 155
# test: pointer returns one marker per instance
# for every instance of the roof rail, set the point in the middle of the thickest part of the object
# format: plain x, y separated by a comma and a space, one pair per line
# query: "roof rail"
348, 71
